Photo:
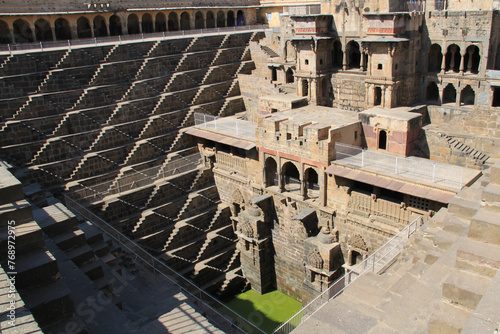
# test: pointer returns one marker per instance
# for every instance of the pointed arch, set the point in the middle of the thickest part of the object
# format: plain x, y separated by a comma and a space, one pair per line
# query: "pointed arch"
147, 23
133, 24
230, 18
42, 30
4, 33
115, 25
240, 18
100, 29
467, 96
185, 21
210, 19
160, 23
315, 260
173, 22
434, 59
449, 94
22, 31
199, 22
221, 19
83, 29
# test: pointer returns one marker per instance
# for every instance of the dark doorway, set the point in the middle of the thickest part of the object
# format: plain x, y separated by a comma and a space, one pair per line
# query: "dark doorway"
147, 23
100, 29
210, 20
160, 23
83, 28
467, 96
378, 96
382, 140
173, 22
432, 93
42, 30
450, 94
115, 25
496, 97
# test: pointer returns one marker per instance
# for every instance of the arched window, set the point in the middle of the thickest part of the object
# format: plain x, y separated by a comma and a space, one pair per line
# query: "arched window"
42, 30
432, 93
221, 19
100, 29
185, 24
312, 186
291, 177
83, 28
133, 24
147, 23
62, 30
115, 25
382, 140
210, 19
240, 18
230, 18
449, 94
305, 87
198, 21
435, 59
22, 31
160, 23
471, 59
467, 96
354, 55
337, 54
173, 22
271, 170
378, 96
289, 75
453, 58
4, 33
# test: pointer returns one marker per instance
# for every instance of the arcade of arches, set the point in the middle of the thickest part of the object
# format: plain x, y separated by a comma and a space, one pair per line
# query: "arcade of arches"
51, 28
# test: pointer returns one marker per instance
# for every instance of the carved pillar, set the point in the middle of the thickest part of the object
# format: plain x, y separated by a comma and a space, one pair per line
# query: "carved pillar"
345, 64
462, 64
469, 63
322, 186
280, 176
382, 102
443, 64
303, 187
53, 32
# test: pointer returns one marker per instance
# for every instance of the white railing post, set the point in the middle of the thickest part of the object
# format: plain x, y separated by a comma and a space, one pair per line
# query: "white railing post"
396, 167
362, 158
433, 172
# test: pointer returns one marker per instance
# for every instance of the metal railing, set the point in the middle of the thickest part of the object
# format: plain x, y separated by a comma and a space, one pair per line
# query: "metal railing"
415, 168
87, 42
229, 125
375, 263
137, 179
209, 306
415, 6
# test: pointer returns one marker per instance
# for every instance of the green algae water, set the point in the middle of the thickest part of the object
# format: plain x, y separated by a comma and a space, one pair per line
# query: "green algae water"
266, 311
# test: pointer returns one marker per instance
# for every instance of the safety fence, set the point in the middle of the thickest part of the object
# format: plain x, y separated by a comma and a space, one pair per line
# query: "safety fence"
87, 42
229, 125
136, 179
207, 305
411, 167
375, 263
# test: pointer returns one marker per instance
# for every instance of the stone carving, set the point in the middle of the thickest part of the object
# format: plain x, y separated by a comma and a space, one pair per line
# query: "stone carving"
358, 242
246, 229
314, 259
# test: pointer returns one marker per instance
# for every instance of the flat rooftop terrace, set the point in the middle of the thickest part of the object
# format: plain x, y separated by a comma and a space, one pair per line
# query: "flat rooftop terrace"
417, 170
316, 115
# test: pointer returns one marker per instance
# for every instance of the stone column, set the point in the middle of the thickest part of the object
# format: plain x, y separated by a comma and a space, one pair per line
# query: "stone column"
53, 31
303, 187
74, 33
462, 64
280, 177
469, 63
443, 64
11, 34
440, 98
363, 65
33, 33
457, 99
345, 65
263, 168
322, 186
382, 102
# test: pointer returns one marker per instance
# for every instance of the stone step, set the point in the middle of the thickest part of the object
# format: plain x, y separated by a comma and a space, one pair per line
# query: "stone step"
485, 226
49, 303
464, 289
18, 211
35, 269
28, 237
109, 259
81, 255
448, 319
463, 208
92, 233
491, 195
100, 248
12, 188
478, 258
93, 270
73, 325
69, 240
55, 219
495, 173
443, 239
